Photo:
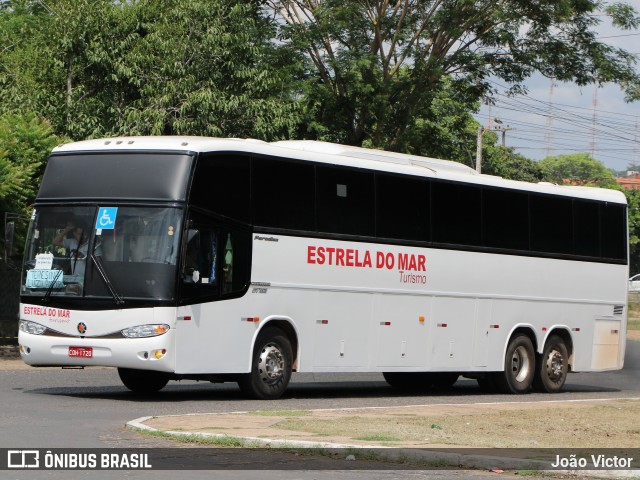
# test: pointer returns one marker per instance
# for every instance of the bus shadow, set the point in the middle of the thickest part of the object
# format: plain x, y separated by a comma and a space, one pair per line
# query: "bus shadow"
204, 392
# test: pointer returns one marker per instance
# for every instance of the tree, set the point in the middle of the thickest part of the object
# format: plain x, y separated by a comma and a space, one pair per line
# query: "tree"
577, 168
97, 68
373, 64
208, 68
503, 162
25, 143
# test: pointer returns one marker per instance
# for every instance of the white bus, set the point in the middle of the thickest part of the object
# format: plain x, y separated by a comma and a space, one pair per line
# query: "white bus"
238, 260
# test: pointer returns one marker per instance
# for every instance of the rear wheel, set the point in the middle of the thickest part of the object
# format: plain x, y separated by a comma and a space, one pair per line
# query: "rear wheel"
143, 381
519, 366
270, 366
553, 366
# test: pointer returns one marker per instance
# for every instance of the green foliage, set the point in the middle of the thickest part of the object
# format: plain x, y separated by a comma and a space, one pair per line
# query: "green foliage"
503, 162
207, 68
577, 168
633, 211
25, 142
374, 66
99, 68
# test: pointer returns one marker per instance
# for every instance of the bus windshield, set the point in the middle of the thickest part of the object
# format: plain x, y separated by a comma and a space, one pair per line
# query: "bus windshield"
88, 251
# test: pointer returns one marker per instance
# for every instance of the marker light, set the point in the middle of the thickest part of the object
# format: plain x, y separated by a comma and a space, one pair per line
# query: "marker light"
159, 353
32, 327
142, 331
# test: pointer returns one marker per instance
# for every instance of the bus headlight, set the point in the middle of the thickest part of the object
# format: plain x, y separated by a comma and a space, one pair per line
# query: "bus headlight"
32, 327
142, 331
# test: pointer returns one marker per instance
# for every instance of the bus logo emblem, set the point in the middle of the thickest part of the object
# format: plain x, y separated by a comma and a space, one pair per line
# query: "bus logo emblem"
82, 328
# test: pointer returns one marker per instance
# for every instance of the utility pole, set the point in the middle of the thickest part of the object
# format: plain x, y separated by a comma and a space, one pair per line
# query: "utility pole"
481, 133
479, 151
504, 131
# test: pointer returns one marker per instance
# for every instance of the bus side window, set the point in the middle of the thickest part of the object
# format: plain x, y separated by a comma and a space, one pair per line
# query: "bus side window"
227, 266
200, 264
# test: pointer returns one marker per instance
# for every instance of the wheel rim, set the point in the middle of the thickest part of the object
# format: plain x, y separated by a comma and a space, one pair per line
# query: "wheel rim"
520, 364
555, 365
271, 364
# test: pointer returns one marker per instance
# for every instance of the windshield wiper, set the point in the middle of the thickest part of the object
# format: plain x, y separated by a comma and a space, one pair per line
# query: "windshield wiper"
116, 296
47, 295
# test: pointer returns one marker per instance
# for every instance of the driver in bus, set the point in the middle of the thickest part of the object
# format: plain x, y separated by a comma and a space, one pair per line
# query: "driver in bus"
74, 237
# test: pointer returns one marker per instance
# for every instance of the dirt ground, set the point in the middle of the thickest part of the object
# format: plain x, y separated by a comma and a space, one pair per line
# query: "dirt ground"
549, 424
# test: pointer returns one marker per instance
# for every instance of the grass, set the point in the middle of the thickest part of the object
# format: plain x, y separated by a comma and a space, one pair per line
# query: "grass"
614, 425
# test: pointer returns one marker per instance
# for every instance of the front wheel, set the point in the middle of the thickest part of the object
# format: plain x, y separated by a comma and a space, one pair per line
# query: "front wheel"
519, 366
143, 381
270, 366
553, 366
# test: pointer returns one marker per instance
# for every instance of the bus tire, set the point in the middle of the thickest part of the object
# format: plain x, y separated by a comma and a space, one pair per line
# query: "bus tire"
143, 381
519, 366
270, 366
552, 366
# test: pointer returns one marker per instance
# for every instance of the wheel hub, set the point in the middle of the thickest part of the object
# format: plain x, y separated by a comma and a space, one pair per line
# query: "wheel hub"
520, 364
555, 365
271, 364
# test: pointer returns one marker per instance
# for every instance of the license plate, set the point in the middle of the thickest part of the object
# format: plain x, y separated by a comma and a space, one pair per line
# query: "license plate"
83, 352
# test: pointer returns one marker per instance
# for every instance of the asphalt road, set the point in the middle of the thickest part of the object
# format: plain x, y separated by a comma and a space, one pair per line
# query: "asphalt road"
54, 408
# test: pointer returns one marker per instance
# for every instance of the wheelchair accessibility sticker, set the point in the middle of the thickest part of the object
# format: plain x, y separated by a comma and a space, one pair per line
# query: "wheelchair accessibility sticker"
106, 218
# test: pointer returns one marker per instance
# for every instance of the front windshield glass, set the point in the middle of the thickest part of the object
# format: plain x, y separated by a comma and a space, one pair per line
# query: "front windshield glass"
104, 251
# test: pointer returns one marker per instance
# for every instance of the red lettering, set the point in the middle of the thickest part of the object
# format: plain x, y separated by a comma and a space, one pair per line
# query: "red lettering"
422, 260
311, 253
379, 260
403, 260
389, 261
330, 250
340, 257
321, 257
349, 258
367, 259
358, 263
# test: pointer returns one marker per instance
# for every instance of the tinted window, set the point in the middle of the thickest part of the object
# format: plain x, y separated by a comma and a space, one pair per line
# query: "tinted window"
402, 207
345, 201
505, 219
586, 228
283, 194
221, 185
613, 231
456, 213
217, 259
551, 224
122, 175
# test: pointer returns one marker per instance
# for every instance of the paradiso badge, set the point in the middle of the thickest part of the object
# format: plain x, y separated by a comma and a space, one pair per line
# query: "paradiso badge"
82, 328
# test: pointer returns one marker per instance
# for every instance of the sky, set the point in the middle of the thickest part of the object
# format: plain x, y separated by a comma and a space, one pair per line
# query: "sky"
562, 118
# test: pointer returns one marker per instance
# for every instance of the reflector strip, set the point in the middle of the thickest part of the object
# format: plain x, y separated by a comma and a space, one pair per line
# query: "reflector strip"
442, 325
251, 319
385, 323
322, 322
494, 326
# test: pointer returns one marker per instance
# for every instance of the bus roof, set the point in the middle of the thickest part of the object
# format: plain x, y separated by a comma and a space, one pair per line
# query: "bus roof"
324, 152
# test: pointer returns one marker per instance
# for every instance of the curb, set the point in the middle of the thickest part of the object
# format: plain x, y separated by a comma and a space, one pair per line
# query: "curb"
463, 462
